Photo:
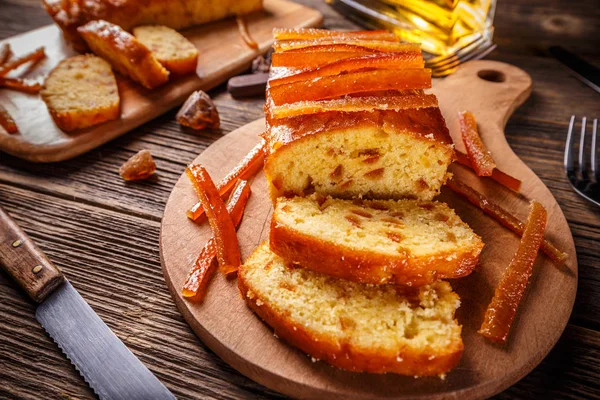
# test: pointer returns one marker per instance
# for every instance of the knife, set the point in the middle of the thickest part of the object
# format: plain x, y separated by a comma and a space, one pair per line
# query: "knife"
581, 69
111, 370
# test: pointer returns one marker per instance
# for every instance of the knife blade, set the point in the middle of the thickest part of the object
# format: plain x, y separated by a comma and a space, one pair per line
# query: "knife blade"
106, 364
581, 69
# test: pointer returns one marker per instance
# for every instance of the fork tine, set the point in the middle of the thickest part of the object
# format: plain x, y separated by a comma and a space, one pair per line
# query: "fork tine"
582, 167
431, 63
476, 55
465, 51
594, 150
568, 160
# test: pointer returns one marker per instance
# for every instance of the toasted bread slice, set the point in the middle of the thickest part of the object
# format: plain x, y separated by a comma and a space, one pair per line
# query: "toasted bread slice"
124, 52
406, 242
81, 91
171, 49
378, 329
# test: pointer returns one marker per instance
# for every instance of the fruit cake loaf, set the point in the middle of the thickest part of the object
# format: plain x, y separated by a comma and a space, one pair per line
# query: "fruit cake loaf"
378, 329
358, 126
405, 242
71, 14
80, 92
124, 52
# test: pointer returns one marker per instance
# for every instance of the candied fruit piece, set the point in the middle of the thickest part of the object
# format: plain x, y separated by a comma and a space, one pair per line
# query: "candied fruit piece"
140, 166
199, 112
502, 309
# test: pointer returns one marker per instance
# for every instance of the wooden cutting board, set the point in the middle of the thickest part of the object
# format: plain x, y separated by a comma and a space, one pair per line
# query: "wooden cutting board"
491, 90
223, 54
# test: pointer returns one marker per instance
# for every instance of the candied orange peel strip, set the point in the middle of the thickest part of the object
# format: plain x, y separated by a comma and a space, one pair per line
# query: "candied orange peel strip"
353, 104
7, 122
329, 87
316, 56
243, 28
499, 176
502, 309
326, 34
21, 84
370, 61
481, 158
195, 285
503, 216
5, 53
246, 168
380, 45
228, 249
34, 56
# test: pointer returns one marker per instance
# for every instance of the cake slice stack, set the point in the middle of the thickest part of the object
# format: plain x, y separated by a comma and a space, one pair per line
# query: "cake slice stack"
356, 151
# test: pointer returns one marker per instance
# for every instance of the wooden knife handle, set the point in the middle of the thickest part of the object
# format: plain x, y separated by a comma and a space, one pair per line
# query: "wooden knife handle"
25, 262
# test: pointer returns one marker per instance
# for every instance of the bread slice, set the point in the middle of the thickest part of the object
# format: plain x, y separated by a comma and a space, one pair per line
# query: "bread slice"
124, 52
70, 14
171, 49
406, 242
81, 91
378, 329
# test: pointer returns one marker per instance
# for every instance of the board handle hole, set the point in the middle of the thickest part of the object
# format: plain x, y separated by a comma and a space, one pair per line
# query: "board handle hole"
491, 75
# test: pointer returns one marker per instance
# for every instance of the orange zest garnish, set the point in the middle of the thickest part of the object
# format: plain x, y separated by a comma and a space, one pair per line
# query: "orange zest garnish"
5, 53
501, 177
247, 168
503, 307
378, 60
329, 87
503, 216
21, 84
325, 34
7, 122
481, 158
195, 285
316, 56
243, 28
34, 56
354, 104
381, 45
228, 249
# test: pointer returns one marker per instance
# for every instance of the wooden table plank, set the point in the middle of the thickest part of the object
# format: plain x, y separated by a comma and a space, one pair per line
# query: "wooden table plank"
103, 232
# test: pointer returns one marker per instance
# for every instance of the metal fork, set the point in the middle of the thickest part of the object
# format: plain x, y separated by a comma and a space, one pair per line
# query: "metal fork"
445, 65
585, 182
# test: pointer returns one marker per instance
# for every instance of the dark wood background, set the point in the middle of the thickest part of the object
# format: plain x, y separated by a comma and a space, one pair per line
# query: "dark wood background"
103, 232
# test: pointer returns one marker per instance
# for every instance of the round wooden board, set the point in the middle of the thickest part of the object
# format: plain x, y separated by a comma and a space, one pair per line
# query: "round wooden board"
229, 328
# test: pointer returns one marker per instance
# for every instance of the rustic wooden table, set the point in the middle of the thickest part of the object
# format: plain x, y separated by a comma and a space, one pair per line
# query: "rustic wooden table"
103, 232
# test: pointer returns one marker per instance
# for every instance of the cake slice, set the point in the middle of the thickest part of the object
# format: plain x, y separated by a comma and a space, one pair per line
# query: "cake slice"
377, 153
124, 52
80, 92
405, 242
378, 329
171, 48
